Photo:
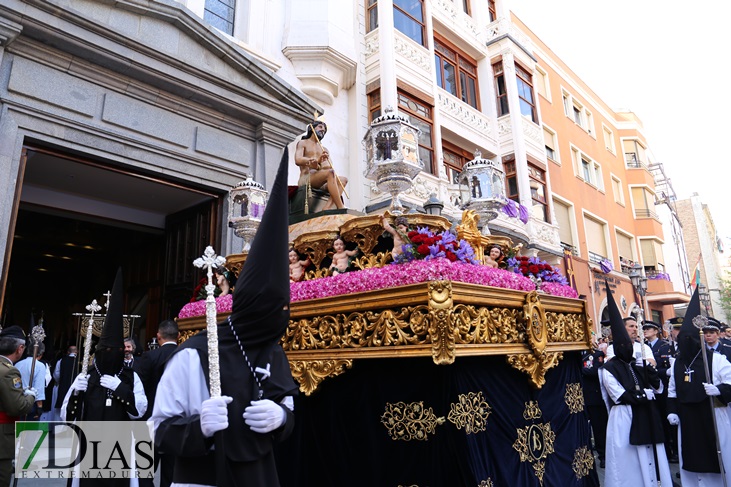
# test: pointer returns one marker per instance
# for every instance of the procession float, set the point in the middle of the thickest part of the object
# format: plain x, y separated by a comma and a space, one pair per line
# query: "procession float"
430, 360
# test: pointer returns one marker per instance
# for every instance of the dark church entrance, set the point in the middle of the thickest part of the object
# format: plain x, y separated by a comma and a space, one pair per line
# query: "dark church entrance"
78, 220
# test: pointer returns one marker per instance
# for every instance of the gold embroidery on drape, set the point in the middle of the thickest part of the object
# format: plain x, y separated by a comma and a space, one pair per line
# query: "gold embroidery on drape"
410, 421
470, 412
583, 462
574, 397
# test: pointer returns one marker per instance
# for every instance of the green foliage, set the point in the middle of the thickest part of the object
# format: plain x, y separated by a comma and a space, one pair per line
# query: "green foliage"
726, 293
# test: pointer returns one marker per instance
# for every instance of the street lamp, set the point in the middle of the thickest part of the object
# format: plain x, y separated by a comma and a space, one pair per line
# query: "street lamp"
639, 282
704, 297
433, 206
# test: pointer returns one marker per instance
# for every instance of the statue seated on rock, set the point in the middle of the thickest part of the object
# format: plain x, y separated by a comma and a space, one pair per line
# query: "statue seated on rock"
316, 171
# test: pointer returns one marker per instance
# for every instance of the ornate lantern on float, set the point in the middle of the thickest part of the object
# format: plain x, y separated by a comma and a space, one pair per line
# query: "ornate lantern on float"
247, 201
482, 188
392, 150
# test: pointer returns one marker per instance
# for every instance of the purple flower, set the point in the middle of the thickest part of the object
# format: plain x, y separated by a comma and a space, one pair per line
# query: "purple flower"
606, 266
510, 209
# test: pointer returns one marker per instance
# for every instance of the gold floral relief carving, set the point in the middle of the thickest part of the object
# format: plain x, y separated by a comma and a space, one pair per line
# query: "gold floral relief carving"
485, 325
315, 245
534, 444
535, 367
440, 325
583, 462
574, 397
470, 412
366, 237
534, 318
369, 261
185, 334
564, 327
309, 373
410, 421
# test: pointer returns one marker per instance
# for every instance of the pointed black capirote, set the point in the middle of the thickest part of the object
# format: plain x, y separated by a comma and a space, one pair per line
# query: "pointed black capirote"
689, 340
113, 330
621, 341
260, 309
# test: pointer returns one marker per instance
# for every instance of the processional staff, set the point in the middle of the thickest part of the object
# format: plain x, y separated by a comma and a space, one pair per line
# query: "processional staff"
91, 308
209, 260
37, 334
700, 322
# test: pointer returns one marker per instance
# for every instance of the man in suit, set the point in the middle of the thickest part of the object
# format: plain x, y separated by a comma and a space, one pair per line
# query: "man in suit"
662, 351
150, 367
14, 400
64, 374
129, 352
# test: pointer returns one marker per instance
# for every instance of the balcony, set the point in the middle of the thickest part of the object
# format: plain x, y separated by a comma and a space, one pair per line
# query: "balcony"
645, 213
595, 258
574, 250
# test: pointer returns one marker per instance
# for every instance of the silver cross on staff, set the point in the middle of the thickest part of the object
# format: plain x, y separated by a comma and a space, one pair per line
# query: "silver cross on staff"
209, 260
37, 334
108, 295
91, 308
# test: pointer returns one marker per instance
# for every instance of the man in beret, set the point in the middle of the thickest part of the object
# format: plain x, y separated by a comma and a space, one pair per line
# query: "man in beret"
14, 400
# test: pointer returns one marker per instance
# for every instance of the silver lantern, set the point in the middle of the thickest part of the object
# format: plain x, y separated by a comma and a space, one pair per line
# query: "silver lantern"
482, 188
247, 201
392, 149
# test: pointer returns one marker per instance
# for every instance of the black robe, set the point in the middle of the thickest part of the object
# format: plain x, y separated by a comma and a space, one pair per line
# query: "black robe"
242, 457
646, 428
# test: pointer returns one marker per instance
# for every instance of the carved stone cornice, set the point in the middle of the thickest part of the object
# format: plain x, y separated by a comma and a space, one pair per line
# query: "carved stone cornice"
412, 52
9, 31
323, 70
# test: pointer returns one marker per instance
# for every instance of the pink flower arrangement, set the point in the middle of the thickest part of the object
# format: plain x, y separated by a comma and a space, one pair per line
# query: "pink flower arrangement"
389, 276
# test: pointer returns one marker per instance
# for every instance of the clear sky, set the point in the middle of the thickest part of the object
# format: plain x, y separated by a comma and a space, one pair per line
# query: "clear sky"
665, 60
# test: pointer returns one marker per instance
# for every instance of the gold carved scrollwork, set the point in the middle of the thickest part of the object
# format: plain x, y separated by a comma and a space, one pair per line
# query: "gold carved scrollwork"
574, 397
309, 373
315, 245
485, 325
564, 327
369, 261
364, 231
410, 421
470, 412
583, 462
440, 323
534, 317
185, 334
535, 367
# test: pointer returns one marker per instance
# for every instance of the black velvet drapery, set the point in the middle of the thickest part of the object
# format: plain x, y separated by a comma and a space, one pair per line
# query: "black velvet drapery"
409, 422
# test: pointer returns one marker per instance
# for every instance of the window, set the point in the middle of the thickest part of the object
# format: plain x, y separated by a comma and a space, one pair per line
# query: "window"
537, 181
491, 9
502, 94
466, 6
564, 219
541, 83
374, 105
597, 180
626, 254
634, 154
566, 103
511, 178
617, 190
408, 17
549, 139
525, 93
652, 256
421, 117
595, 239
220, 14
608, 139
589, 121
452, 65
644, 202
454, 160
585, 170
371, 15
578, 119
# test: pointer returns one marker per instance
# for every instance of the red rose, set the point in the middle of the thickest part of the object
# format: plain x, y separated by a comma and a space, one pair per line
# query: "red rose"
423, 249
418, 239
524, 268
534, 269
451, 256
412, 234
442, 248
431, 240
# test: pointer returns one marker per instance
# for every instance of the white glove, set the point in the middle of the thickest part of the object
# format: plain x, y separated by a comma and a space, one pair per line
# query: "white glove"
80, 383
264, 416
673, 419
650, 394
711, 390
110, 381
214, 415
30, 392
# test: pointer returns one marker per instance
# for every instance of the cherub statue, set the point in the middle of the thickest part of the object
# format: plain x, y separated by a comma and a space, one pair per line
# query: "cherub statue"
399, 234
340, 259
494, 256
296, 266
